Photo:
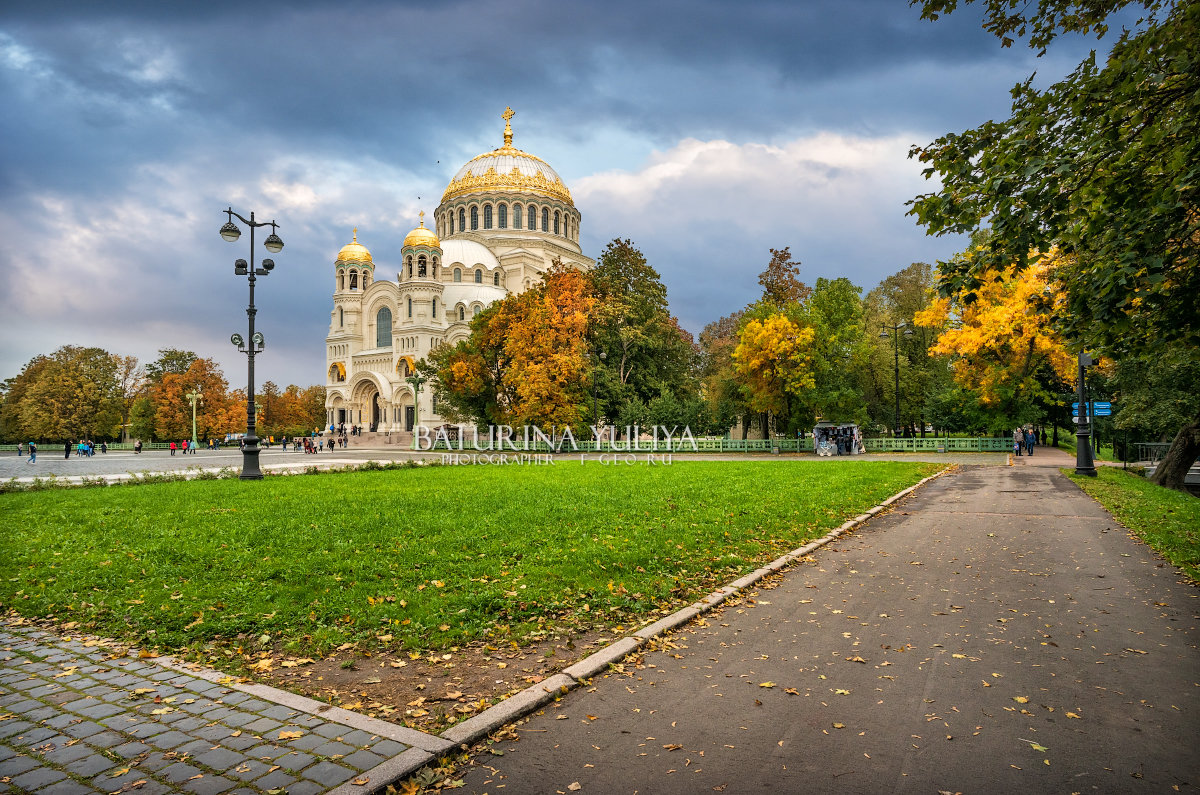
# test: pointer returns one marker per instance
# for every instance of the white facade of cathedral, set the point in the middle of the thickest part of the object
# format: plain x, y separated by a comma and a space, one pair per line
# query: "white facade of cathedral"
504, 218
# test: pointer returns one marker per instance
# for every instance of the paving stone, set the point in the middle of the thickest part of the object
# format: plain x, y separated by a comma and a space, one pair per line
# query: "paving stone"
130, 750
239, 743
102, 710
83, 729
6, 753
333, 749
363, 760
306, 788
276, 780
195, 747
35, 736
267, 752
105, 739
15, 765
101, 691
37, 778
146, 729
190, 724
249, 770
59, 721
39, 715
388, 748
69, 787
235, 697
214, 733
358, 738
308, 742
327, 773
330, 730
209, 785
91, 765
65, 755
179, 772
295, 761
156, 762
280, 713
307, 721
219, 758
23, 705
234, 718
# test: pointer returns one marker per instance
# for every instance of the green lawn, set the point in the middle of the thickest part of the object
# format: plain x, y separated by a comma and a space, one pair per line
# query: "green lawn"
430, 556
1167, 520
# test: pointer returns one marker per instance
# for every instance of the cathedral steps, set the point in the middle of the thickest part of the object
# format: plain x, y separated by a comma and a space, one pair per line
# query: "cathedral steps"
381, 439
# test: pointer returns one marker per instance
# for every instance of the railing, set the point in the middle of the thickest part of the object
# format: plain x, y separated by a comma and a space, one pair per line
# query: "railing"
1152, 451
934, 444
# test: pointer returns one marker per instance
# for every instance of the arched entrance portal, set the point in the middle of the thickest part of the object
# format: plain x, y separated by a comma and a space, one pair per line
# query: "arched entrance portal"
375, 412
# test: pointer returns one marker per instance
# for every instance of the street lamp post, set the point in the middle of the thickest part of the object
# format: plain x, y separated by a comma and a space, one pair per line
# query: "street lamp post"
415, 380
1084, 464
596, 397
194, 397
896, 349
256, 341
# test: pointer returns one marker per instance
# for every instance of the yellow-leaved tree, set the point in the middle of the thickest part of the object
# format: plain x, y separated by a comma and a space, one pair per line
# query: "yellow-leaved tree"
1003, 344
773, 360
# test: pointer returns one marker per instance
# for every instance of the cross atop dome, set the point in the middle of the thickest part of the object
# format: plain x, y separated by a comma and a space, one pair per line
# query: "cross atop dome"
507, 116
422, 214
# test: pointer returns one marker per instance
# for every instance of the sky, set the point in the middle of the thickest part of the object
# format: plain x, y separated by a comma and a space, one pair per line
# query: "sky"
706, 132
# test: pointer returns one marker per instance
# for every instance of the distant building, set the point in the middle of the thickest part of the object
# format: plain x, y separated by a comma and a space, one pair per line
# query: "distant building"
504, 217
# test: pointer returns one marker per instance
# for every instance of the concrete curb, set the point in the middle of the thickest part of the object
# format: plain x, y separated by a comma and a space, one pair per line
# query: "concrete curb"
510, 709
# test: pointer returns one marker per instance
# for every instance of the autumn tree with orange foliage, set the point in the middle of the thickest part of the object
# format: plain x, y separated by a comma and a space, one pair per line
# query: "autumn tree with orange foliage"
774, 359
1005, 349
215, 416
526, 361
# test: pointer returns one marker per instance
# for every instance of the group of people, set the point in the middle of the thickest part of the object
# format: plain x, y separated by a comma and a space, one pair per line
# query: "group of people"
186, 446
1024, 439
313, 445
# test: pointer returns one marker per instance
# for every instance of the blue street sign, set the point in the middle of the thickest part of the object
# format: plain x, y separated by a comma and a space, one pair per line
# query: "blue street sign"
1099, 408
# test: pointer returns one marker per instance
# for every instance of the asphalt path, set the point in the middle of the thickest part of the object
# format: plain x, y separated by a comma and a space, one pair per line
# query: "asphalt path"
997, 632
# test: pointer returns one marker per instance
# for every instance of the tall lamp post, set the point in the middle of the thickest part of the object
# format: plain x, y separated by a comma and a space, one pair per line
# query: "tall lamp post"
256, 341
416, 379
596, 397
1084, 464
896, 349
194, 397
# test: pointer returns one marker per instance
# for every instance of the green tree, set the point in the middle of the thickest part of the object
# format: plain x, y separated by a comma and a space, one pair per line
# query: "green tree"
14, 391
170, 360
75, 396
1104, 165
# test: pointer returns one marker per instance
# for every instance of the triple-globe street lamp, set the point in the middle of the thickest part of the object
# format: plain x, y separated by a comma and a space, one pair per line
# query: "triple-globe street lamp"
194, 397
895, 330
230, 232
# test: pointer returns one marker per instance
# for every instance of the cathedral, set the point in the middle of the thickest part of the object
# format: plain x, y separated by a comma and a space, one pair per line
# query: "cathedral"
503, 219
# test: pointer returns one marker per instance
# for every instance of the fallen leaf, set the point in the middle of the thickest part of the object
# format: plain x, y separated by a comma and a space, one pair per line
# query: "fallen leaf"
1021, 699
841, 692
574, 786
237, 733
360, 782
766, 684
290, 735
1073, 715
839, 725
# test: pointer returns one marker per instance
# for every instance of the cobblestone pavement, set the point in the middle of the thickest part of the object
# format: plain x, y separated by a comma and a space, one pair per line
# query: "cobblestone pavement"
75, 718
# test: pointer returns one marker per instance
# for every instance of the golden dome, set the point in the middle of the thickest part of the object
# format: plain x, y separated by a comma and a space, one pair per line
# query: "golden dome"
355, 252
422, 236
508, 169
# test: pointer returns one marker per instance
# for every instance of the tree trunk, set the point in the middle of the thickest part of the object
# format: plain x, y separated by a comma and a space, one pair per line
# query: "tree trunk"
1174, 466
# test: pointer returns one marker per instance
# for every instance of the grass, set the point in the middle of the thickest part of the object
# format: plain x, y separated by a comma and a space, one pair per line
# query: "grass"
1167, 520
421, 558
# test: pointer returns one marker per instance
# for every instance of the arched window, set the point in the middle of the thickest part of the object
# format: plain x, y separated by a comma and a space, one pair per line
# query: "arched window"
474, 218
366, 279
545, 219
435, 307
421, 266
516, 216
410, 307
410, 266
353, 280
458, 274
341, 280
475, 312
462, 220
556, 222
503, 219
383, 328
487, 216
531, 218
435, 273
478, 276
462, 313
341, 317
496, 278
451, 215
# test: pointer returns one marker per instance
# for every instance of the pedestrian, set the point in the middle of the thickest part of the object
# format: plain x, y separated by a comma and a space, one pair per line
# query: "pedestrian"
172, 448
32, 453
20, 451
67, 449
1018, 441
137, 447
104, 448
1029, 440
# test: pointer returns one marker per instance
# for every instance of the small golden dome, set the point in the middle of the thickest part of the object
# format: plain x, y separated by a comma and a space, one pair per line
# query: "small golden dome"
422, 236
355, 252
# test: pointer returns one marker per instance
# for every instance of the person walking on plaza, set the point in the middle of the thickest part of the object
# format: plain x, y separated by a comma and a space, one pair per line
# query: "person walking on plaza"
67, 449
137, 447
172, 448
1029, 440
20, 452
104, 448
32, 453
1018, 441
